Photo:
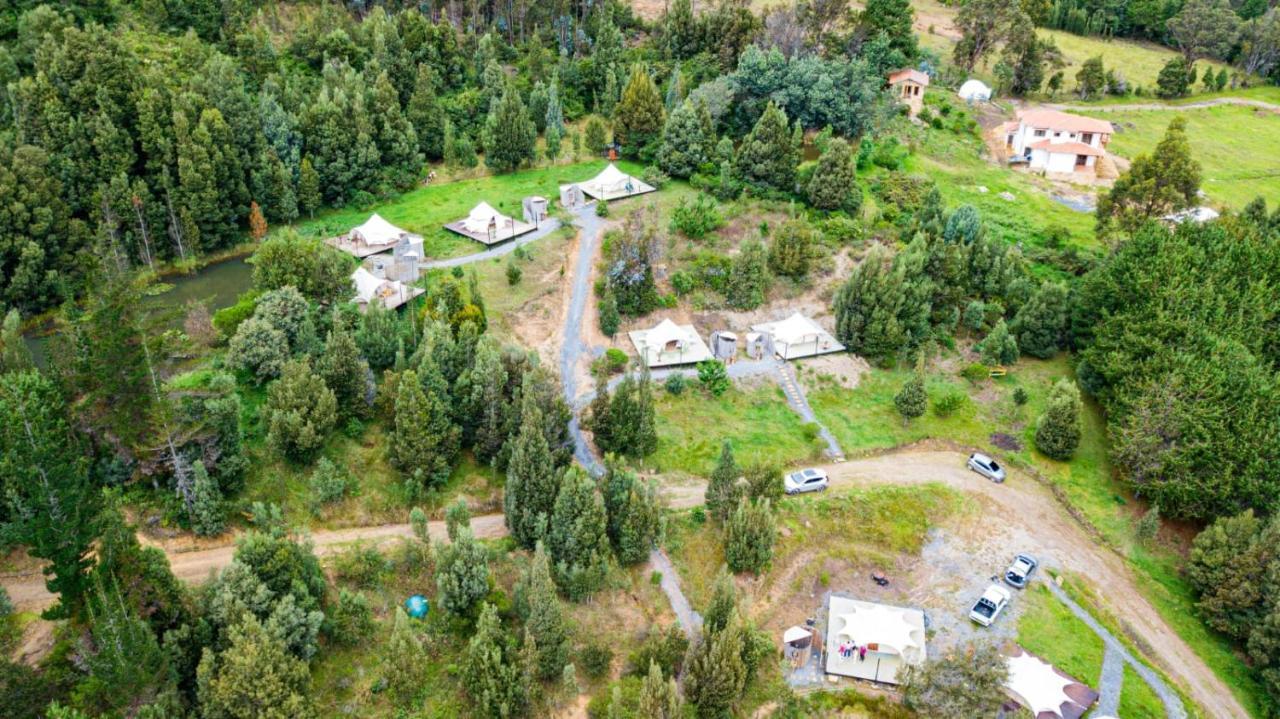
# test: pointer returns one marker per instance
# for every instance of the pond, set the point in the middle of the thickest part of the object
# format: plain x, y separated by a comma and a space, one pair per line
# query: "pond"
217, 285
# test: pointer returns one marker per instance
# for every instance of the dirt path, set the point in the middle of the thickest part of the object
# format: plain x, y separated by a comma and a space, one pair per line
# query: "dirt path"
1020, 501
1198, 105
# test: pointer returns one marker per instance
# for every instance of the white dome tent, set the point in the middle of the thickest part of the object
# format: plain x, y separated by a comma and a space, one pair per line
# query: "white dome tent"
614, 184
486, 225
974, 91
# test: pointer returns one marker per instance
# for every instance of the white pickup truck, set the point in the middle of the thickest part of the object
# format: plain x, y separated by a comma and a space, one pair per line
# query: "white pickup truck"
989, 605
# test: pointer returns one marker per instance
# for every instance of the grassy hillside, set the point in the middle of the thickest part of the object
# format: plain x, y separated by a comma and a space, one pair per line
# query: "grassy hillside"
1236, 145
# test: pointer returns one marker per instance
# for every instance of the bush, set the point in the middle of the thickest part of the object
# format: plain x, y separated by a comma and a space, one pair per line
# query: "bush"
1148, 525
258, 348
611, 362
350, 620
596, 660
841, 229
713, 377
682, 282
652, 175
329, 483
696, 219
676, 384
1020, 396
602, 208
947, 403
975, 372
664, 648
514, 273
361, 566
228, 319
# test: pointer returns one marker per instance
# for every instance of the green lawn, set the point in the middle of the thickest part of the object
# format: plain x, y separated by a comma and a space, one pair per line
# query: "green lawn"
1137, 699
1138, 62
1237, 146
757, 421
1048, 629
426, 209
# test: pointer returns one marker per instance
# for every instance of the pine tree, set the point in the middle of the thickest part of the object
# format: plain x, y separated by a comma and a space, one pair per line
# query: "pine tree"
715, 674
403, 661
425, 440
553, 143
766, 159
608, 314
1040, 324
257, 223
511, 134
659, 696
638, 524
397, 141
426, 115
791, 253
675, 90
748, 280
206, 511
749, 535
309, 197
538, 101
42, 470
999, 347
1164, 182
1058, 429
722, 491
684, 146
833, 185
595, 135
532, 484
544, 617
893, 18
482, 402
555, 111
911, 401
254, 676
462, 572
639, 115
576, 536
345, 372
723, 605
300, 411
491, 673
869, 307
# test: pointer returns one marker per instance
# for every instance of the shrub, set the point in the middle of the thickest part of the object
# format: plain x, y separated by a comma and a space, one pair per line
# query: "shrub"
360, 566
696, 219
602, 208
682, 282
258, 348
329, 483
676, 384
350, 620
975, 372
664, 648
841, 229
1020, 396
607, 312
713, 377
596, 660
611, 362
1058, 429
652, 175
947, 403
1148, 525
228, 319
514, 273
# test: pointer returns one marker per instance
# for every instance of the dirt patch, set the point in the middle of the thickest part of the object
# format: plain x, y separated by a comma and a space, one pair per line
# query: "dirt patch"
1006, 442
37, 642
845, 370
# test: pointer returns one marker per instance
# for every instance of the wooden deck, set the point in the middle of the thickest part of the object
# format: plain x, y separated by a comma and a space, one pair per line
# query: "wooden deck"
359, 250
505, 232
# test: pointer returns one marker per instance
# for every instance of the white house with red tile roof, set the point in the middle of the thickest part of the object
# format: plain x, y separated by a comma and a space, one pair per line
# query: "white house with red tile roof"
1057, 141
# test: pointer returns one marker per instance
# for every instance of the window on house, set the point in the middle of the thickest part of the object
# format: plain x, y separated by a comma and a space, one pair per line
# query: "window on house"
1081, 160
1038, 133
1086, 138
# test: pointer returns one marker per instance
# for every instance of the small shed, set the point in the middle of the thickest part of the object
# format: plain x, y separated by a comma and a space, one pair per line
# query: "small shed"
974, 91
572, 197
669, 344
797, 336
487, 226
535, 209
798, 637
908, 86
755, 345
724, 345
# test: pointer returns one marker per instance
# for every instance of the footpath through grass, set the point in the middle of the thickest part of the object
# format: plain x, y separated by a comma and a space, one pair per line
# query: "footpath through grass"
1048, 629
426, 209
1236, 145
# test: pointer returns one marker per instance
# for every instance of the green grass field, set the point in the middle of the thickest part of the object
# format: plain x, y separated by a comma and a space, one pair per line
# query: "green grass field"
1138, 62
1048, 629
425, 209
757, 421
1237, 147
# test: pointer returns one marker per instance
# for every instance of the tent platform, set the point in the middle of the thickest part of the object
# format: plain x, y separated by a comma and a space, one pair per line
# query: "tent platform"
693, 351
358, 250
505, 233
608, 195
798, 337
884, 627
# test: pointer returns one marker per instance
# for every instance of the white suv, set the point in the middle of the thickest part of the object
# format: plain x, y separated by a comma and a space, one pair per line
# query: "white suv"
806, 480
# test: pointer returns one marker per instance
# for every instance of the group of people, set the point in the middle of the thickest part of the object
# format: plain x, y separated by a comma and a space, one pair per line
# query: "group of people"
848, 649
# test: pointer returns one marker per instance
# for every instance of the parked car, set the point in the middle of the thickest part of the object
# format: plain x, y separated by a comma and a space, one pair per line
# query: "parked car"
989, 605
806, 480
987, 467
1019, 573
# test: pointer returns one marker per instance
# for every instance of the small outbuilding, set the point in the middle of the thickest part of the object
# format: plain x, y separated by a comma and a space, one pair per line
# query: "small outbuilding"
974, 91
535, 209
374, 236
571, 197
370, 288
1043, 689
614, 184
873, 641
487, 226
724, 345
669, 344
908, 86
796, 337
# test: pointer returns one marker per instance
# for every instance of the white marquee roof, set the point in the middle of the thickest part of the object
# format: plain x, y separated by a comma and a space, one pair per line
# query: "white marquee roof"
612, 183
893, 628
975, 90
796, 328
377, 231
666, 331
366, 284
481, 216
1037, 684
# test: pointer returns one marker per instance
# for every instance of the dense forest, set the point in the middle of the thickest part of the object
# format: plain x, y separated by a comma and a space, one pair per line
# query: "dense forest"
138, 136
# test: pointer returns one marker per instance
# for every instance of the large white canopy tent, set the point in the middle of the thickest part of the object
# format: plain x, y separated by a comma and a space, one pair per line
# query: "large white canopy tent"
486, 225
798, 336
374, 236
974, 91
1044, 690
669, 344
614, 184
893, 636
